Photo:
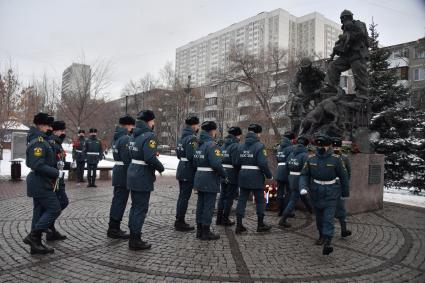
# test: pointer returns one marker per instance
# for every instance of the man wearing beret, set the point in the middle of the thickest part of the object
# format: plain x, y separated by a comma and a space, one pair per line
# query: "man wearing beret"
40, 183
229, 186
319, 175
185, 170
122, 160
56, 140
295, 164
78, 154
94, 152
341, 213
141, 175
209, 170
254, 169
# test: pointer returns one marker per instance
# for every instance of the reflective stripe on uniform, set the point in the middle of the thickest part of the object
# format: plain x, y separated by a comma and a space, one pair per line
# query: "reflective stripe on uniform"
119, 163
294, 173
93, 153
252, 167
140, 162
184, 159
206, 169
79, 151
227, 166
325, 182
281, 164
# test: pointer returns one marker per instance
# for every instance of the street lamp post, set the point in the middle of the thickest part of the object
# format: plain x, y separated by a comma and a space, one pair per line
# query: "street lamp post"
126, 104
188, 91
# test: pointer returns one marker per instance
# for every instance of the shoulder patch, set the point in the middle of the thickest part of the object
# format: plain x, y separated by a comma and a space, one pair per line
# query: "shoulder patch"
40, 139
217, 152
38, 151
152, 144
265, 152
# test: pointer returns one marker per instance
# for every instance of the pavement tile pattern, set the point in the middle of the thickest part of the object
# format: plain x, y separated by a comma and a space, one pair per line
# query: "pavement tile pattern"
386, 246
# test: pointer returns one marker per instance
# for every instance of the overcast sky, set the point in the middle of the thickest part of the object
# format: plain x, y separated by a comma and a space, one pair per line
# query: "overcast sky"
140, 36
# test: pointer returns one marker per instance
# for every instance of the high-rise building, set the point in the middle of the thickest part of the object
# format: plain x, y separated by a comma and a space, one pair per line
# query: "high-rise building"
76, 79
310, 35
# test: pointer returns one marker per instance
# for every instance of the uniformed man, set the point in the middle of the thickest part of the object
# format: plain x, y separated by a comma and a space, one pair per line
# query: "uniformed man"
341, 213
295, 164
122, 160
79, 156
40, 183
141, 175
353, 52
310, 78
229, 186
94, 152
207, 161
185, 170
319, 176
56, 140
281, 176
254, 169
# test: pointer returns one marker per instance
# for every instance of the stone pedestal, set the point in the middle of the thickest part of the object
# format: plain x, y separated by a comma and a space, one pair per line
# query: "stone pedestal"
367, 183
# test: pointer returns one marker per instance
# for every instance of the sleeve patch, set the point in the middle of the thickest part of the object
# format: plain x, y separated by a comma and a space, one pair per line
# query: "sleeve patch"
152, 144
38, 151
265, 152
218, 153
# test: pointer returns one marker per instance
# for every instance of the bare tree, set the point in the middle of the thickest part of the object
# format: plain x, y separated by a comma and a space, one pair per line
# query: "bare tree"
9, 97
263, 74
85, 94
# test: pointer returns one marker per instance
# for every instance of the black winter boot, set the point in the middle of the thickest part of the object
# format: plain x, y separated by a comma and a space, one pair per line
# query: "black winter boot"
226, 221
34, 240
198, 230
219, 220
207, 235
283, 223
327, 247
344, 231
53, 235
136, 244
182, 226
239, 226
115, 232
261, 226
281, 207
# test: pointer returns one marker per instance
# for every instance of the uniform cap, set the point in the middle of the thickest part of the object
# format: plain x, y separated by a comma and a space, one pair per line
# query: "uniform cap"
93, 130
127, 120
41, 119
58, 125
322, 140
209, 126
336, 142
146, 115
192, 120
81, 131
236, 131
303, 140
256, 128
305, 62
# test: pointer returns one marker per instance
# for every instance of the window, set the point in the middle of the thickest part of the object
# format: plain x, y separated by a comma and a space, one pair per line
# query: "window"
211, 101
419, 53
419, 74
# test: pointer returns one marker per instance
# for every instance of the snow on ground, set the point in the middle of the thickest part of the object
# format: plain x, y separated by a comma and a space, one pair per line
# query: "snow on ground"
404, 196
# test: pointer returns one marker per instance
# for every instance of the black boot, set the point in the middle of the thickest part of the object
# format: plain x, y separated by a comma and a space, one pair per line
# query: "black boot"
198, 230
226, 221
327, 247
136, 244
262, 227
281, 207
239, 226
320, 241
53, 235
115, 232
219, 220
344, 231
207, 235
34, 240
283, 223
182, 226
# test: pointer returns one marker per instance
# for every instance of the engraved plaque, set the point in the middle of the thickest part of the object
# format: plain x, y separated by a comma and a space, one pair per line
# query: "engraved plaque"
375, 172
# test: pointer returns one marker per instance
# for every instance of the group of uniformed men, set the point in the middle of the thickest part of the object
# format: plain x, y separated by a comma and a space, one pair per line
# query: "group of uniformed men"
233, 169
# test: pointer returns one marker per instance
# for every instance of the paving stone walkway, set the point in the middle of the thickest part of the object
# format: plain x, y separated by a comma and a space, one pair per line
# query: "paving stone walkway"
386, 246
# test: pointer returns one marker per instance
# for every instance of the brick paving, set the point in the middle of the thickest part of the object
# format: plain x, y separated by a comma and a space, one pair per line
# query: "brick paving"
386, 246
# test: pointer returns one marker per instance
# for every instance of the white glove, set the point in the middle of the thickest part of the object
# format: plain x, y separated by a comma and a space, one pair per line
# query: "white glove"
73, 165
61, 174
345, 198
303, 192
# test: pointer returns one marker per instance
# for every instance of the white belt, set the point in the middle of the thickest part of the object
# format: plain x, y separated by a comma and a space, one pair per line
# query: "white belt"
206, 169
227, 166
281, 164
119, 163
79, 151
253, 167
140, 162
294, 173
325, 182
337, 178
93, 153
184, 159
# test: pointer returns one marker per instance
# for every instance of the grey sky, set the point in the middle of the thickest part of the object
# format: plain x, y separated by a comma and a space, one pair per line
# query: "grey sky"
141, 36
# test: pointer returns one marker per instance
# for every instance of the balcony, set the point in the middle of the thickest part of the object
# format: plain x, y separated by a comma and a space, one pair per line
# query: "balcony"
243, 117
245, 103
210, 108
278, 99
211, 94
